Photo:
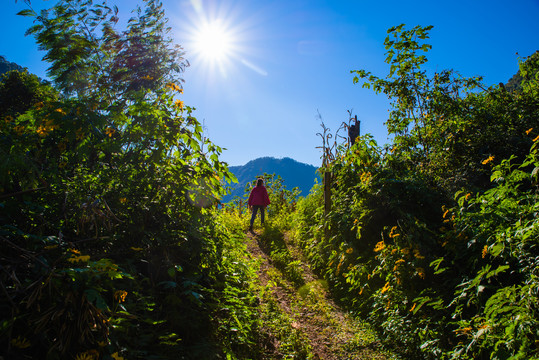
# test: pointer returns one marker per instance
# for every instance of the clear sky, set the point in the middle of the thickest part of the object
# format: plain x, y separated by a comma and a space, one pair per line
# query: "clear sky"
273, 65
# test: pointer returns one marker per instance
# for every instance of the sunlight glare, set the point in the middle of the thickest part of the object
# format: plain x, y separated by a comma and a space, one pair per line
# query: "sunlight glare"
214, 42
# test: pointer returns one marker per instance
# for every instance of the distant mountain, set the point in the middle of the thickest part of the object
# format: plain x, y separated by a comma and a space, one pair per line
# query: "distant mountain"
293, 173
6, 66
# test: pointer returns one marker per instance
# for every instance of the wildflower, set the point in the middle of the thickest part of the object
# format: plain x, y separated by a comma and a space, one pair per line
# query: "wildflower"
379, 246
420, 272
147, 77
179, 104
536, 138
392, 232
175, 87
484, 252
20, 342
489, 159
75, 251
413, 307
465, 330
42, 131
418, 255
110, 131
393, 251
19, 129
39, 105
529, 131
120, 295
115, 356
361, 291
123, 200
61, 111
80, 258
445, 213
87, 355
386, 287
468, 196
365, 177
405, 251
349, 250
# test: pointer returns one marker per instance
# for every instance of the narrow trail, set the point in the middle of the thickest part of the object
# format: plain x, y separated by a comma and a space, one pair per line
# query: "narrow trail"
331, 333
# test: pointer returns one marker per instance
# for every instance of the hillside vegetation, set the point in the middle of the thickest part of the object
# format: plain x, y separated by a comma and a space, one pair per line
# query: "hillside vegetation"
113, 248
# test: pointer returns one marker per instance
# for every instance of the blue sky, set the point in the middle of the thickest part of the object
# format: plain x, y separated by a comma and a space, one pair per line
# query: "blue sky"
287, 60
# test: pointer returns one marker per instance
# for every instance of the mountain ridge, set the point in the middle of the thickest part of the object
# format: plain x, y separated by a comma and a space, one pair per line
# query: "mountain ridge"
293, 173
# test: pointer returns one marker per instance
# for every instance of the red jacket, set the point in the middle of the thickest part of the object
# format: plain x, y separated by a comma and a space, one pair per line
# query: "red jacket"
259, 196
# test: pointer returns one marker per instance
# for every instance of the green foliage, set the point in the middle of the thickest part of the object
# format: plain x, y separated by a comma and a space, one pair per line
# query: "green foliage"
109, 246
440, 276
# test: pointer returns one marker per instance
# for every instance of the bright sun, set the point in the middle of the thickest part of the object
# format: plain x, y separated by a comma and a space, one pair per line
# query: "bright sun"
213, 42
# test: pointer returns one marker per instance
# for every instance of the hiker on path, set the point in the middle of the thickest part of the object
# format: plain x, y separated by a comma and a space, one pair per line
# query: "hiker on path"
258, 200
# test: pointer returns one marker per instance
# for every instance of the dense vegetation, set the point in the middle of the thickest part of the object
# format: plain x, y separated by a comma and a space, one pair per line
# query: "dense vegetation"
435, 237
111, 248
106, 247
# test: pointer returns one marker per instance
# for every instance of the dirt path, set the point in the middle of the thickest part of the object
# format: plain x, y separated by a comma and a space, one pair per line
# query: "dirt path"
330, 332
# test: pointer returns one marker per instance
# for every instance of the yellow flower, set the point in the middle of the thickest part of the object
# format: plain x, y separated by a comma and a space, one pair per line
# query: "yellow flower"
536, 138
379, 246
80, 258
21, 343
42, 131
365, 177
445, 213
175, 87
19, 129
61, 111
349, 250
468, 196
413, 307
392, 232
115, 356
123, 200
386, 287
418, 255
420, 272
465, 330
87, 355
489, 159
120, 295
484, 252
147, 77
75, 251
529, 131
361, 291
110, 131
179, 104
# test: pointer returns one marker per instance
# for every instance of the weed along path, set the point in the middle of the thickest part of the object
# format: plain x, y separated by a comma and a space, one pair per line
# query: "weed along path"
299, 320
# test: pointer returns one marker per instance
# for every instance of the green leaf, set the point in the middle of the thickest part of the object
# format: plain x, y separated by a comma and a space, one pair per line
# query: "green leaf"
26, 12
